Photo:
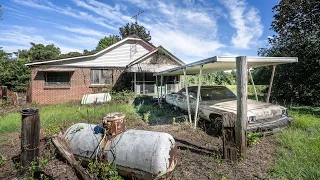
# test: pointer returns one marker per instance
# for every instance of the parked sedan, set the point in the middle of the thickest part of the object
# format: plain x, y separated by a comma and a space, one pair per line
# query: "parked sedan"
214, 100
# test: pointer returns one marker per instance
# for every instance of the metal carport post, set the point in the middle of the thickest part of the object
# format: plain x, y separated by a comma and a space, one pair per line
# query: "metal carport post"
187, 93
198, 98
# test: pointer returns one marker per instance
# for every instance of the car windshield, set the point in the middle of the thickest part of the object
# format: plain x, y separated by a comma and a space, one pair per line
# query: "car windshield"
216, 93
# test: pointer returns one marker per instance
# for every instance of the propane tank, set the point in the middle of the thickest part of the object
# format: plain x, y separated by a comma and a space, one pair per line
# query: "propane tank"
142, 154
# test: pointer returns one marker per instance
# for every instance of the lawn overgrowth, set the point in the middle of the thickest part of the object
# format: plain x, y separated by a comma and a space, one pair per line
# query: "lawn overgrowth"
298, 156
67, 113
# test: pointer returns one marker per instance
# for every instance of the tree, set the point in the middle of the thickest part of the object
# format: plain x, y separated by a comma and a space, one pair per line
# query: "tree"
106, 42
42, 52
70, 54
1, 12
135, 29
297, 25
13, 72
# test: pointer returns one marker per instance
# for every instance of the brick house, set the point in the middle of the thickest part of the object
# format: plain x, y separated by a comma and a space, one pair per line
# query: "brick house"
126, 65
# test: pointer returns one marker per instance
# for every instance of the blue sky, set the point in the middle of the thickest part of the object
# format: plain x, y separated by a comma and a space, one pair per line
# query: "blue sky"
190, 29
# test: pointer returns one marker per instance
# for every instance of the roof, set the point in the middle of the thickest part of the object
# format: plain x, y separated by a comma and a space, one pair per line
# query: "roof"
91, 55
223, 63
149, 54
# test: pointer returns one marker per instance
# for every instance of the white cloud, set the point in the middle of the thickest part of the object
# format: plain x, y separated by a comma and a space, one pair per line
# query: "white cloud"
18, 37
66, 11
79, 41
104, 10
84, 31
246, 21
182, 44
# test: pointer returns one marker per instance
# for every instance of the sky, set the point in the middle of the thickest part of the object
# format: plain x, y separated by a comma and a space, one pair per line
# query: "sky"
190, 29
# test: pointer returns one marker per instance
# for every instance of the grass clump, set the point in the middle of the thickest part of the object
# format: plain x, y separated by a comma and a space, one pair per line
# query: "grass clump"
299, 153
67, 114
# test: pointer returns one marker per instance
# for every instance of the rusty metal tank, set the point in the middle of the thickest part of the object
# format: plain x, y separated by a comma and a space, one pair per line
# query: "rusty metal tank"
136, 153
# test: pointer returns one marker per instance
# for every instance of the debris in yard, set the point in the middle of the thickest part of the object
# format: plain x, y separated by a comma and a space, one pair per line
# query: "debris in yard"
66, 152
136, 153
95, 98
114, 123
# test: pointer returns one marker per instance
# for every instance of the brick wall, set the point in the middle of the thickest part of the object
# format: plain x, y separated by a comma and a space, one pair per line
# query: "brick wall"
79, 85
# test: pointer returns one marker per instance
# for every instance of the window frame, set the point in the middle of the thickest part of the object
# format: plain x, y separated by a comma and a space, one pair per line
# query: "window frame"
100, 72
56, 84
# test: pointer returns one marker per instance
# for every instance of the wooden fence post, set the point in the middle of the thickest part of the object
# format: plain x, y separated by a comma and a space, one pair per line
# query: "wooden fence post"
30, 136
242, 96
4, 93
228, 136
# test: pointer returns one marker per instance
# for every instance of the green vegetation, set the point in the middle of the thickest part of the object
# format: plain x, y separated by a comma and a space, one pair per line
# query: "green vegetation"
296, 25
67, 113
299, 154
134, 29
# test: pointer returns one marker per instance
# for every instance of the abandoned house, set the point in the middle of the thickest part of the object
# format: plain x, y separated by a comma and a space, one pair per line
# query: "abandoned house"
126, 65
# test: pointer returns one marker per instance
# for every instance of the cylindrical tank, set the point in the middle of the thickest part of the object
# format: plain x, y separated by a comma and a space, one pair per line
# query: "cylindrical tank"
143, 154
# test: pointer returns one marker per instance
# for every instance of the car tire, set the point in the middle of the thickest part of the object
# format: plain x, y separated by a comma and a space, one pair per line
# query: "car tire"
218, 125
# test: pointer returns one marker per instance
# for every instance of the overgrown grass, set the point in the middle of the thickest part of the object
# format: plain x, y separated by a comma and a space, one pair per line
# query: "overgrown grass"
153, 115
299, 154
67, 113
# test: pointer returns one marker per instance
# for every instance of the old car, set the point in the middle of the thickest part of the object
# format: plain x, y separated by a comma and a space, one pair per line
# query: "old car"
214, 100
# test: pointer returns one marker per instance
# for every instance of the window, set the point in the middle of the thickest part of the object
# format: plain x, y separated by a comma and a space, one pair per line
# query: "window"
101, 76
58, 78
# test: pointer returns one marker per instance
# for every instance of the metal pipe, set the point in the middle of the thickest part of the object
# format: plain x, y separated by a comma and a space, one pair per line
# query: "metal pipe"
187, 93
254, 87
271, 82
198, 97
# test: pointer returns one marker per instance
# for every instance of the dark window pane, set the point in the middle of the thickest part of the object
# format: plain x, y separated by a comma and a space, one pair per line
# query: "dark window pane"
57, 78
149, 77
100, 76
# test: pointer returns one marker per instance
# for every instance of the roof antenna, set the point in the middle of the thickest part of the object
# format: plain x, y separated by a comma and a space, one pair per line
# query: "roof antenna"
137, 15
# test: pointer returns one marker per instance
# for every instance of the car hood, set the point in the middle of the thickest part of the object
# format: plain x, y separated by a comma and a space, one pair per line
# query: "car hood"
255, 108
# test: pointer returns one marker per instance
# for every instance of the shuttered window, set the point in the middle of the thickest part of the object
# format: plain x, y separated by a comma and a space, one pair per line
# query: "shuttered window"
101, 76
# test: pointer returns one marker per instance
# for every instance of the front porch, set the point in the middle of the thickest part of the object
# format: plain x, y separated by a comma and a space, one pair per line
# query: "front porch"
144, 83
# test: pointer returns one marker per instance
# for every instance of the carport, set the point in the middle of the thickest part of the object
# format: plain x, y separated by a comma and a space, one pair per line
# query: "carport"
242, 64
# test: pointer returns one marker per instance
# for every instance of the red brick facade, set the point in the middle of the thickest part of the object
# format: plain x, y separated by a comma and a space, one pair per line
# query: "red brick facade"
79, 85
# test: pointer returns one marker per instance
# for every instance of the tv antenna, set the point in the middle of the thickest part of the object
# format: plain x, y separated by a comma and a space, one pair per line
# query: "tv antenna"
137, 15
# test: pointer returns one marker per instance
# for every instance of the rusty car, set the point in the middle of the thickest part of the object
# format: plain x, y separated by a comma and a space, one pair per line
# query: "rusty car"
214, 100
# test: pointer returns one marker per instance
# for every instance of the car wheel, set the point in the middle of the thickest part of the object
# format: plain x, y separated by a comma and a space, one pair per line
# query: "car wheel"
218, 125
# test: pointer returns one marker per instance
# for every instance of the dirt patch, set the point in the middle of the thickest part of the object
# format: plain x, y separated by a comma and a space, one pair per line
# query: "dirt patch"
199, 156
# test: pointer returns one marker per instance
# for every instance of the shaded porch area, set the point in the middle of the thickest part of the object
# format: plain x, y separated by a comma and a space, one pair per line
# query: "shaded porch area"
144, 83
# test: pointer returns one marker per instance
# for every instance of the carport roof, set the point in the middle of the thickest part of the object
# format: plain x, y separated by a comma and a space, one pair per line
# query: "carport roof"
223, 63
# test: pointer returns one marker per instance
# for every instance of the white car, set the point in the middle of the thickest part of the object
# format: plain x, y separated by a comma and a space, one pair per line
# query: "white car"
214, 100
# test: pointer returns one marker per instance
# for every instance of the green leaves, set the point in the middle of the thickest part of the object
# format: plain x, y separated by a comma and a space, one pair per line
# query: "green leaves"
297, 24
135, 29
42, 52
106, 42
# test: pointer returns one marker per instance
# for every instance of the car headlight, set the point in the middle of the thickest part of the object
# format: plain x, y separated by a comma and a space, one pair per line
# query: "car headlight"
284, 112
251, 119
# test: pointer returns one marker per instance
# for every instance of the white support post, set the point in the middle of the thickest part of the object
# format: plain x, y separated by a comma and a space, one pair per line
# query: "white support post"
157, 90
187, 93
271, 82
254, 87
135, 82
161, 86
144, 83
198, 98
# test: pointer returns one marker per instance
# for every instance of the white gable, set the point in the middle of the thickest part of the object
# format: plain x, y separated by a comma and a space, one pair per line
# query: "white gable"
117, 57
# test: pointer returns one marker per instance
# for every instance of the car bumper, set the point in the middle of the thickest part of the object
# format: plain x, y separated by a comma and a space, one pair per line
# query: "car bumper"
267, 126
